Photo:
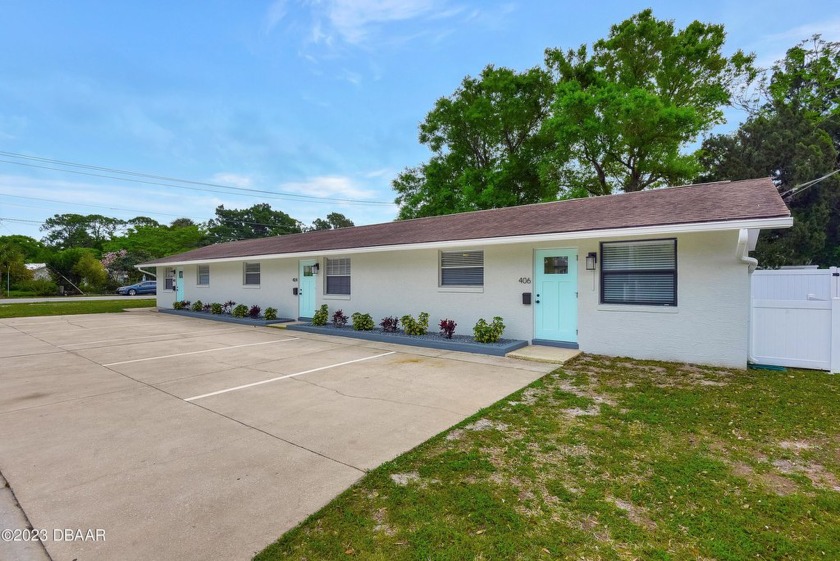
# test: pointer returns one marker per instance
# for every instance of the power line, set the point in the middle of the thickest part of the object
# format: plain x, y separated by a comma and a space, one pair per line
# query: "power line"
19, 220
274, 194
138, 212
802, 186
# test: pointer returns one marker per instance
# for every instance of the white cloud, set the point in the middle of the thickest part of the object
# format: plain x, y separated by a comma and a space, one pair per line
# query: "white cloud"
773, 47
275, 13
233, 180
329, 186
352, 19
383, 172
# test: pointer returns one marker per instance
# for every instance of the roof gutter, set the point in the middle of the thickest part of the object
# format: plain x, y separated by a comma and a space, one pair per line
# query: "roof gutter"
665, 229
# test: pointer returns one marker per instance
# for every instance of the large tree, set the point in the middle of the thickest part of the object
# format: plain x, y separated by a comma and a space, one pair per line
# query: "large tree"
792, 138
258, 221
623, 114
157, 241
64, 231
12, 264
333, 221
34, 251
487, 147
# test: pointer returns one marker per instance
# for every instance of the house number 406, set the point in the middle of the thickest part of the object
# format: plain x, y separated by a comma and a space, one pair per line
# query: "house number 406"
524, 280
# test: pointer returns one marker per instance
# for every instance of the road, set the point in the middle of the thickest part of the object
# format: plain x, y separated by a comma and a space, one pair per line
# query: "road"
70, 298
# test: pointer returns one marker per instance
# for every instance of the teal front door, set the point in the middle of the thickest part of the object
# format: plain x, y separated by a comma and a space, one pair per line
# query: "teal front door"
306, 289
179, 284
555, 295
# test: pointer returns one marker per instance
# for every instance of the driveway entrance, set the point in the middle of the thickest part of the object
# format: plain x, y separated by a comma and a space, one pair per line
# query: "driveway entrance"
180, 438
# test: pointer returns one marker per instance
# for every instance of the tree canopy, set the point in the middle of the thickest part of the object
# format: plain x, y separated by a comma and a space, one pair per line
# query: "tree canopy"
622, 115
589, 123
258, 221
333, 221
79, 230
488, 147
793, 137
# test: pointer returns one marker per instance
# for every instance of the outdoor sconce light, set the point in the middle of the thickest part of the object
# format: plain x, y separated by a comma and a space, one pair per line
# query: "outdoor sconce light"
316, 268
591, 260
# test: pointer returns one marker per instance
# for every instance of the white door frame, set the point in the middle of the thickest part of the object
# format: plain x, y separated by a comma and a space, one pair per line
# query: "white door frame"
307, 289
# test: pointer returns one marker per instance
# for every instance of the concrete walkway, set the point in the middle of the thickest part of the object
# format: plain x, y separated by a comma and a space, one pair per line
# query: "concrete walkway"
545, 354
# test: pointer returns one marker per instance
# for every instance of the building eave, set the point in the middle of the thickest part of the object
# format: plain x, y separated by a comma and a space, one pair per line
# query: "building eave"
663, 229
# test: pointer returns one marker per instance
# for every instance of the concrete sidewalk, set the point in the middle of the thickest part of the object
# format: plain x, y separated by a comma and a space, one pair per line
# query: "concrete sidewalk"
71, 298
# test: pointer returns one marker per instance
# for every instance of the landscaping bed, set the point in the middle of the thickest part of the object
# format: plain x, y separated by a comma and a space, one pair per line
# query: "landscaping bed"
224, 317
462, 343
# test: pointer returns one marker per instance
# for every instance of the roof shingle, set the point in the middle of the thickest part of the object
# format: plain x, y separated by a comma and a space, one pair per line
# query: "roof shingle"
706, 202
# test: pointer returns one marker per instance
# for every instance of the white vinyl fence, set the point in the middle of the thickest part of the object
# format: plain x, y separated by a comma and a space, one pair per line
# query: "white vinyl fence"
795, 319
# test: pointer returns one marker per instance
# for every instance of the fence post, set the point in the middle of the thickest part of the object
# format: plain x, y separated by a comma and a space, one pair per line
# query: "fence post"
835, 336
835, 320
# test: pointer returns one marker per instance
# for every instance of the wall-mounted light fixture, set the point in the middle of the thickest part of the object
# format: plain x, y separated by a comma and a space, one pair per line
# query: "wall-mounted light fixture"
591, 260
316, 268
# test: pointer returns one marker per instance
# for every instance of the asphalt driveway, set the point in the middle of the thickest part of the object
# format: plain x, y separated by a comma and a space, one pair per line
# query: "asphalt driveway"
161, 437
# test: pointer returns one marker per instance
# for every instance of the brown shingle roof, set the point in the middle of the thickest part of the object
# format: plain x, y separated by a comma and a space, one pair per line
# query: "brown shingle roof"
707, 202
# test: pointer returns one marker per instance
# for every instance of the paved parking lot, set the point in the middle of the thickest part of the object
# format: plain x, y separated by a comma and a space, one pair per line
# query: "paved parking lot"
181, 438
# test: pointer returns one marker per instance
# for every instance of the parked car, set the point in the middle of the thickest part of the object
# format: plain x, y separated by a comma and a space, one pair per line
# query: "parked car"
145, 287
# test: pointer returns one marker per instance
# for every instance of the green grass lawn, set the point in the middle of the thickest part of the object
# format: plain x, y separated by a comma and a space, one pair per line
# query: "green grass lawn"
72, 307
608, 459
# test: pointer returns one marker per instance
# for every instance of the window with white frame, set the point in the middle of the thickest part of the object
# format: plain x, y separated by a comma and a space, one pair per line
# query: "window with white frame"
338, 276
462, 268
639, 272
203, 275
251, 274
169, 280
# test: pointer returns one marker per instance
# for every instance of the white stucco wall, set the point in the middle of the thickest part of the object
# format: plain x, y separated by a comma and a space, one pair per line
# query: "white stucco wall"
709, 324
275, 289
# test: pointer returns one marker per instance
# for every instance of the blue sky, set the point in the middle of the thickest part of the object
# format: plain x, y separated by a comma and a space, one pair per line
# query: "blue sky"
318, 98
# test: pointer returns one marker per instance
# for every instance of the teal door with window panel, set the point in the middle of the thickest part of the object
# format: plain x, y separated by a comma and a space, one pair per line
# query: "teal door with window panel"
179, 284
306, 289
555, 295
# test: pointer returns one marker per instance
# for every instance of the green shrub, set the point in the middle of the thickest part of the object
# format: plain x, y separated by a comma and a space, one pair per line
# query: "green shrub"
416, 327
197, 306
488, 333
216, 308
321, 316
40, 287
270, 313
240, 311
181, 305
362, 322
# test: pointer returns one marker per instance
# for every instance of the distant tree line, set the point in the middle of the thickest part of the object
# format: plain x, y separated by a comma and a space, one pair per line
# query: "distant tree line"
96, 253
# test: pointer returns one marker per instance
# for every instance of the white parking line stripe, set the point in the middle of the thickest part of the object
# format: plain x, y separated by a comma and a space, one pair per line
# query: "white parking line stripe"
286, 376
198, 352
214, 332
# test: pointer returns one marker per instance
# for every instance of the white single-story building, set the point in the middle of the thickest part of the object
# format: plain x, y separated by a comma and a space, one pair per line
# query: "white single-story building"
661, 274
39, 271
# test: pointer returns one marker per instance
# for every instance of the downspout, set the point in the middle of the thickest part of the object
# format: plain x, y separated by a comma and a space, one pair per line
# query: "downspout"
743, 254
743, 250
142, 270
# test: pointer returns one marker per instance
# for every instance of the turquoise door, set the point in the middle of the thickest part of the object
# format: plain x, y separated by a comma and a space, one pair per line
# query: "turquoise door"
306, 289
555, 295
179, 284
